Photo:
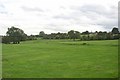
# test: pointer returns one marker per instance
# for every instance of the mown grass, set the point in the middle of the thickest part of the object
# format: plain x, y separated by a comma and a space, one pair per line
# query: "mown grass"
61, 59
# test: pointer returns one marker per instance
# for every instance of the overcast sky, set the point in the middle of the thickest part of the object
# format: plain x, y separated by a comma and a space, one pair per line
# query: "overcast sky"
52, 16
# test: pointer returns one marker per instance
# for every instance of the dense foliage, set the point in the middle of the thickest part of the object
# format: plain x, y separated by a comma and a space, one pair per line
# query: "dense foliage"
76, 35
15, 35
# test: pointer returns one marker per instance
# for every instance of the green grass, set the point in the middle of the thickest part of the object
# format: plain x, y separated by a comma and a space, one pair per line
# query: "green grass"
61, 59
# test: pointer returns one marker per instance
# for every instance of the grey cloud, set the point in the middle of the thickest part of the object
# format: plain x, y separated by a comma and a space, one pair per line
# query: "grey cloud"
2, 6
2, 9
55, 27
92, 14
109, 12
62, 7
66, 17
3, 12
35, 9
92, 8
100, 10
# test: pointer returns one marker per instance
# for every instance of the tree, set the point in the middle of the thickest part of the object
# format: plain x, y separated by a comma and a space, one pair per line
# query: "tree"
86, 32
115, 31
109, 36
31, 37
101, 35
16, 35
77, 34
41, 34
73, 34
85, 35
6, 39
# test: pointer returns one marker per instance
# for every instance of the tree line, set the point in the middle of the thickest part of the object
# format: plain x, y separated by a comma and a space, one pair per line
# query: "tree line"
15, 35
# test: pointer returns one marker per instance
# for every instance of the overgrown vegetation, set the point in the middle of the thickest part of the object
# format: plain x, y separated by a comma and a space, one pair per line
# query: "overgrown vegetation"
15, 35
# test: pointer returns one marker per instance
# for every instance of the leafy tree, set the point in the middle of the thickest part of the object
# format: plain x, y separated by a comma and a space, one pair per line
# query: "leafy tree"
109, 36
6, 39
63, 36
41, 34
73, 34
16, 35
102, 35
115, 31
31, 37
77, 34
85, 35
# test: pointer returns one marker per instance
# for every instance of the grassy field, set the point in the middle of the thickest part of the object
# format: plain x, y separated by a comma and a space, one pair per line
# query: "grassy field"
61, 59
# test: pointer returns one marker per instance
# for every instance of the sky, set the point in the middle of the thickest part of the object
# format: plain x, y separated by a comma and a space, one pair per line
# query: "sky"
52, 16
